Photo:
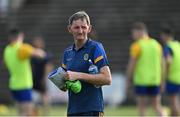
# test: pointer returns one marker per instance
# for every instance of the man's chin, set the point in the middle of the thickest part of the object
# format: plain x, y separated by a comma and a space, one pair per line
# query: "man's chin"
80, 39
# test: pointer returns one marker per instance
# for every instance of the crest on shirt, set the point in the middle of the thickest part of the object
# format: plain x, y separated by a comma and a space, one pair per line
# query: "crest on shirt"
86, 57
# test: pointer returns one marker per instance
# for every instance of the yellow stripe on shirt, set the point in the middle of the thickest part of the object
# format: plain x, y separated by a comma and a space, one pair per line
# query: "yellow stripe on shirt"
25, 51
135, 50
98, 59
64, 66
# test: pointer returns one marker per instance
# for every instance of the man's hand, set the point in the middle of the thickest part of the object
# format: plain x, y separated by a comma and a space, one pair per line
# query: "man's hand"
39, 53
72, 75
64, 88
162, 87
128, 86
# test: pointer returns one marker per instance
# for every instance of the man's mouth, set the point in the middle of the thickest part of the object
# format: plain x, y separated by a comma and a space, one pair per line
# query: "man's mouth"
80, 33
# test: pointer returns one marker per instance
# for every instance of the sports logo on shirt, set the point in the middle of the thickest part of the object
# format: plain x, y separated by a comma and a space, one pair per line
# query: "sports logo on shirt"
86, 57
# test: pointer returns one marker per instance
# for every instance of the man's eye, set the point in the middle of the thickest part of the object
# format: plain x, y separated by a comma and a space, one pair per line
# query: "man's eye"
84, 27
76, 27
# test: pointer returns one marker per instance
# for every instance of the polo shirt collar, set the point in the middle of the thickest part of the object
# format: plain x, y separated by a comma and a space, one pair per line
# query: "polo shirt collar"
84, 46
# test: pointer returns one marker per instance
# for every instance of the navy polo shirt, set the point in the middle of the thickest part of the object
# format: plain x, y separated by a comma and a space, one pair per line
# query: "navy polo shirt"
90, 98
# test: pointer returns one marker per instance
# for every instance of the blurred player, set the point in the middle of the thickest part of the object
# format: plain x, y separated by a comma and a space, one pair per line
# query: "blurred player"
40, 68
145, 68
172, 57
77, 60
17, 59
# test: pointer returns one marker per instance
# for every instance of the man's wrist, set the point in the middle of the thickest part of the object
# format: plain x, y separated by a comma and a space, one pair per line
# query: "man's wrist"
80, 76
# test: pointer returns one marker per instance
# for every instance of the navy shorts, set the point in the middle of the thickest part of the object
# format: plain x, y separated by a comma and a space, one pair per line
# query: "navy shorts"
91, 113
147, 90
172, 88
22, 95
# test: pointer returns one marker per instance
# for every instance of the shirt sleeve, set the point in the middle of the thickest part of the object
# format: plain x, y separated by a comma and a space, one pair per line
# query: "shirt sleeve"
135, 50
25, 51
100, 58
167, 51
63, 63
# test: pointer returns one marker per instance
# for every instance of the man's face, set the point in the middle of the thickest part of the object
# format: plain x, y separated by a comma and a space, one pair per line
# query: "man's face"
79, 29
137, 34
164, 37
39, 43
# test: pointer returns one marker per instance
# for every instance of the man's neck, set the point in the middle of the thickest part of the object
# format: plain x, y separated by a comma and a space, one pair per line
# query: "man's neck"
80, 43
15, 41
145, 37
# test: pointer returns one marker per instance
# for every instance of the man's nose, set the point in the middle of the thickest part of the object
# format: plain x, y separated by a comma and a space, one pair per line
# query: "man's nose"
80, 30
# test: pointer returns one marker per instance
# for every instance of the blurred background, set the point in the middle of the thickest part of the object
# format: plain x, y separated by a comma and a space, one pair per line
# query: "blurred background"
111, 20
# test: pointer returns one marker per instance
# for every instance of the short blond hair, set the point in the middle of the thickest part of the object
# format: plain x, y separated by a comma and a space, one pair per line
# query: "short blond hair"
79, 15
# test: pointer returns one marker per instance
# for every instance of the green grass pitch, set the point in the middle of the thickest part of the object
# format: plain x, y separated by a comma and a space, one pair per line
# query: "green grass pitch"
61, 111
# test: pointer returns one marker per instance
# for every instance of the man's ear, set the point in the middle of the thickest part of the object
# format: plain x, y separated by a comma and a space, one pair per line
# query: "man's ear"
69, 28
90, 28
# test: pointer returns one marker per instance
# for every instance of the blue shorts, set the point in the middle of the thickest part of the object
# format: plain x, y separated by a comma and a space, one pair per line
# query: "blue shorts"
147, 90
172, 88
91, 113
22, 95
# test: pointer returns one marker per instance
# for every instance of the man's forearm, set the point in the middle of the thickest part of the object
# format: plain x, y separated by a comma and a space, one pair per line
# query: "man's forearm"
129, 73
95, 79
102, 78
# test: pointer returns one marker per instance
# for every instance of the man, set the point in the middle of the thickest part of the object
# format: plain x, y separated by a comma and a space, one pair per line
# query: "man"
17, 59
40, 68
145, 68
89, 102
172, 57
